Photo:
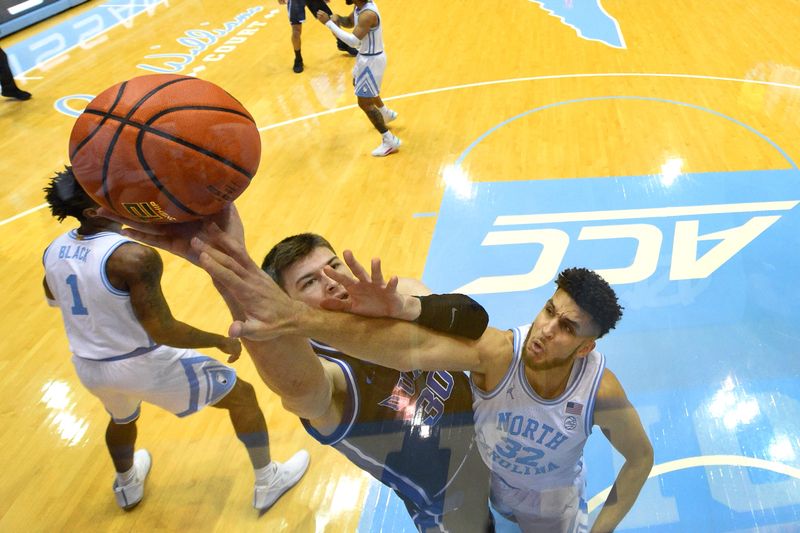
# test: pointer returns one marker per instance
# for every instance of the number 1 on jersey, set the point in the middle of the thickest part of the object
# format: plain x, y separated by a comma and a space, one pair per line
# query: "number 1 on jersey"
77, 304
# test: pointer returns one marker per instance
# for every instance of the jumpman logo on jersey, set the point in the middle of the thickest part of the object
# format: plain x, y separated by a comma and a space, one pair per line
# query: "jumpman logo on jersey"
510, 391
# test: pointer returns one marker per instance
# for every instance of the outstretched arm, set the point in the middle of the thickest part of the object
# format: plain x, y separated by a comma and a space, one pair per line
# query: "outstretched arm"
369, 295
138, 269
621, 425
271, 313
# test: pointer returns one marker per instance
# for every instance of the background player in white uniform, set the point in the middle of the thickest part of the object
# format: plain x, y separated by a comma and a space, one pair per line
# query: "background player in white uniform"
554, 369
128, 348
370, 65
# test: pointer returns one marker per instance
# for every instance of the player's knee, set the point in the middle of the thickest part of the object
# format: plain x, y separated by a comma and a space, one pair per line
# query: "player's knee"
365, 104
243, 393
297, 29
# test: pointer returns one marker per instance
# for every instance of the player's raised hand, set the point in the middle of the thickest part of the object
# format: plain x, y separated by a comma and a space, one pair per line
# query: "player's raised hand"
176, 238
263, 310
368, 293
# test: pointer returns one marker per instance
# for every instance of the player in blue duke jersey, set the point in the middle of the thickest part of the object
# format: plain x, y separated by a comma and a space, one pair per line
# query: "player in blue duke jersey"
411, 430
539, 389
128, 348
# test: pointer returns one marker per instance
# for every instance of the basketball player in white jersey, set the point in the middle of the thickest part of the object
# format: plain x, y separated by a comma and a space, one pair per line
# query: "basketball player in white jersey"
538, 390
128, 348
367, 37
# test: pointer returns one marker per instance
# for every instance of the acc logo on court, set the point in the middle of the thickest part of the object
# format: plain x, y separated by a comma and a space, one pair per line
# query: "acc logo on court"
685, 264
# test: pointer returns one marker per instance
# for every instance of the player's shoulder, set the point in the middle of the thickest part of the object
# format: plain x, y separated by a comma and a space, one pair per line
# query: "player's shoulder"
133, 257
610, 393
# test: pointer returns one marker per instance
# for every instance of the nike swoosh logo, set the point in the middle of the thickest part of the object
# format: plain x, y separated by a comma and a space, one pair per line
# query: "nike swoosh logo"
453, 311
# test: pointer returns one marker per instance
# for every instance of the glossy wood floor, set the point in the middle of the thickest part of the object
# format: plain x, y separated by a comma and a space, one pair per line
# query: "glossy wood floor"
455, 70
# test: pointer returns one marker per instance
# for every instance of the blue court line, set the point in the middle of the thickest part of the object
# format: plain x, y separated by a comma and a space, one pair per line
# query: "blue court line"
477, 141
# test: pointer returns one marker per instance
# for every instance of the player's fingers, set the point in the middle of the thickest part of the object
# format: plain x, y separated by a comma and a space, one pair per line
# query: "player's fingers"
355, 267
219, 256
222, 275
339, 277
235, 330
392, 285
230, 245
377, 274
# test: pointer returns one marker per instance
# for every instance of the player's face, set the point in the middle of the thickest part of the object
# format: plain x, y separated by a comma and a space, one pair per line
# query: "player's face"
560, 332
306, 281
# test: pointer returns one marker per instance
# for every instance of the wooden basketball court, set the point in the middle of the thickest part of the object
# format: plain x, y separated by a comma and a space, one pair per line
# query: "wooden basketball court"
585, 110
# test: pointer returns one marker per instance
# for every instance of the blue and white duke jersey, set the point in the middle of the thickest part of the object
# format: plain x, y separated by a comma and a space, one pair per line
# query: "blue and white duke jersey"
372, 43
98, 317
534, 443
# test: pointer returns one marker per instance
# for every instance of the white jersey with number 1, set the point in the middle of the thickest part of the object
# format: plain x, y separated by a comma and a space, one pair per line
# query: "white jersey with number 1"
98, 317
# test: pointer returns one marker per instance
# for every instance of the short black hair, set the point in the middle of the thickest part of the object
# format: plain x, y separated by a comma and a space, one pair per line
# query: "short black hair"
593, 294
289, 251
66, 197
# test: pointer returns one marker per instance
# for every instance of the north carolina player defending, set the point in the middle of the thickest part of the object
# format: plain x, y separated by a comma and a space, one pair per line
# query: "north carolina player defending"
538, 389
297, 16
370, 65
410, 430
128, 348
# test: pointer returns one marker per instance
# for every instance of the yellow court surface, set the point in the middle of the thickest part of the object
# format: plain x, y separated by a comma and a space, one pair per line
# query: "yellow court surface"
657, 142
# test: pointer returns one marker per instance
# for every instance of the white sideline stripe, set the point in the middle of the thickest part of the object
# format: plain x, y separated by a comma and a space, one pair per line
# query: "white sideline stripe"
653, 212
20, 215
706, 460
481, 84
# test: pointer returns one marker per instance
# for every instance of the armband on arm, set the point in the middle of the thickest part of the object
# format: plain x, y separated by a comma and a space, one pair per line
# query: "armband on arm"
456, 314
345, 36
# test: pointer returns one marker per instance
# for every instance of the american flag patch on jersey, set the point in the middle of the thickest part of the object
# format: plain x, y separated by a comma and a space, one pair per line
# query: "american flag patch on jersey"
574, 408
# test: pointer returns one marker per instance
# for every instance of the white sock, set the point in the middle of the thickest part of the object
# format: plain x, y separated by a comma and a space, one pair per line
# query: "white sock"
387, 136
265, 474
123, 478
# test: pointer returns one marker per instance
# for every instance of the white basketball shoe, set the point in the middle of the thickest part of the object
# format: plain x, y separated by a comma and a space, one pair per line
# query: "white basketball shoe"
390, 145
129, 495
285, 476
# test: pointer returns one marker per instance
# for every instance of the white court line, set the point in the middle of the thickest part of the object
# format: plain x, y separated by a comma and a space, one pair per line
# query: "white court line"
495, 82
652, 212
20, 215
706, 460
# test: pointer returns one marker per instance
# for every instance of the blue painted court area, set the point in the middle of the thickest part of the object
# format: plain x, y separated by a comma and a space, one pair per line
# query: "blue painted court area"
588, 18
706, 267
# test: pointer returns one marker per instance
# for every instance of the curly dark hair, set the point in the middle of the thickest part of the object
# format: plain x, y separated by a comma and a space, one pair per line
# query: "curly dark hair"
66, 197
593, 294
289, 251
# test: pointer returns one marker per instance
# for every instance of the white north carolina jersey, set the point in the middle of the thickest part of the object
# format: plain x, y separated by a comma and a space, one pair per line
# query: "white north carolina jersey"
530, 442
98, 317
372, 43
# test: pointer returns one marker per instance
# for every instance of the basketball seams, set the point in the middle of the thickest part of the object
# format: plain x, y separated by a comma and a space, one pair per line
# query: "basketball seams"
152, 175
100, 125
145, 128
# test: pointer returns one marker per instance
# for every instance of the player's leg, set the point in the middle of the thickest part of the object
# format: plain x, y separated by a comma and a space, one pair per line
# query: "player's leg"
367, 78
297, 15
273, 479
132, 467
466, 501
9, 86
108, 381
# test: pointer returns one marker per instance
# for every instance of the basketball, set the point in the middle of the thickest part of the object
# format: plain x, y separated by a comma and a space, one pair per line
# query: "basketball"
164, 148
